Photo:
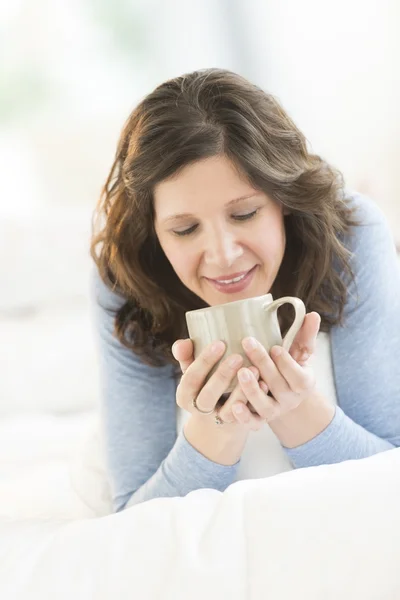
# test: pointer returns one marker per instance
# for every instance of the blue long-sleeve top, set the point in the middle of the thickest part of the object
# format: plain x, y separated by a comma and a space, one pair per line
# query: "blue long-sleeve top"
146, 456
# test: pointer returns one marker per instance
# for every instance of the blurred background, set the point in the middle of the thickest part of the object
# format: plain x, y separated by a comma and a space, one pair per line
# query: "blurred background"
70, 73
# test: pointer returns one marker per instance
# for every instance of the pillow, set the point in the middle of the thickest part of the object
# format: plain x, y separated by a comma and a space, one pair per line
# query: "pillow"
324, 532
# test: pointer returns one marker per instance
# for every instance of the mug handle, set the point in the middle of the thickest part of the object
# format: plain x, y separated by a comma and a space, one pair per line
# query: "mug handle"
300, 313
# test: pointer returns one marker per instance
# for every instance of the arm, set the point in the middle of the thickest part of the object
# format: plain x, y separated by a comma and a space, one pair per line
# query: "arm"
364, 353
145, 457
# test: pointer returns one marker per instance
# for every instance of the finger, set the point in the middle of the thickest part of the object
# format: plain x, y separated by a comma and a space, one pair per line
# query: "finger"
244, 416
269, 372
265, 406
183, 352
219, 382
237, 395
299, 379
194, 376
304, 343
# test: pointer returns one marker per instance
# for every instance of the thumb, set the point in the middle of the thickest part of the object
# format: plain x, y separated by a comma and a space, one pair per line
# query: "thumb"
182, 351
304, 343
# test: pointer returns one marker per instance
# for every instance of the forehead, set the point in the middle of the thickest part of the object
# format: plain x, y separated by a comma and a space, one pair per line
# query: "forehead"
212, 180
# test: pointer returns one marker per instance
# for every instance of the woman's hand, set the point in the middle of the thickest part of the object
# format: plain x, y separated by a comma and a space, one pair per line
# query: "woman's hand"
225, 444
286, 379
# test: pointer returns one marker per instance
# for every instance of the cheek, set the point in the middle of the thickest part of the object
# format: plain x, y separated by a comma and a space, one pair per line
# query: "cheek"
271, 239
278, 242
181, 260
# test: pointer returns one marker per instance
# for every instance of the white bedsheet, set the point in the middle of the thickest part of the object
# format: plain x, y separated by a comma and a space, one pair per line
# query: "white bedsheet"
326, 532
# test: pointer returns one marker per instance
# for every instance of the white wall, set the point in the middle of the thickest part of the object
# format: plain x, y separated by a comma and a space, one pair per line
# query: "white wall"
335, 66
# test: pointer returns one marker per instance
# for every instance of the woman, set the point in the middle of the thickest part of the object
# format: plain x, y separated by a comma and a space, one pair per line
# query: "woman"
212, 181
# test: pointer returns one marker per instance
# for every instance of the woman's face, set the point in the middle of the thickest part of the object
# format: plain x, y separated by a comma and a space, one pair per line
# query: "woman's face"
214, 227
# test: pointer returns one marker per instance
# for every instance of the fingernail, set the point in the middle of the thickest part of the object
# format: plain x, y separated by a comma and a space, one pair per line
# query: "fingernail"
276, 351
234, 361
250, 343
216, 347
244, 375
238, 408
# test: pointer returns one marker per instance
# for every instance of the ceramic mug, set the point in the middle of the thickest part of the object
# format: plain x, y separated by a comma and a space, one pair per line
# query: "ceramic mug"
231, 322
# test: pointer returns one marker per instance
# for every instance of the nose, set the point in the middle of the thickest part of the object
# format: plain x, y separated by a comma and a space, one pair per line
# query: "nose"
222, 249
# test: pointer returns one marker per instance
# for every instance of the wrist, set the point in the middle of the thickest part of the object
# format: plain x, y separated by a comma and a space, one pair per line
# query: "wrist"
220, 444
305, 422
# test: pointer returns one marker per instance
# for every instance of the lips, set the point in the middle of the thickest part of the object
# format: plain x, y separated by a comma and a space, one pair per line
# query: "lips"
235, 286
226, 278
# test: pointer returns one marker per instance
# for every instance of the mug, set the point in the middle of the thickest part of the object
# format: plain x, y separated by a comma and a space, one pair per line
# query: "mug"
233, 321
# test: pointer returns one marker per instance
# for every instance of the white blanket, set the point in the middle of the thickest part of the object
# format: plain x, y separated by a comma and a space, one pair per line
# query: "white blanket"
321, 533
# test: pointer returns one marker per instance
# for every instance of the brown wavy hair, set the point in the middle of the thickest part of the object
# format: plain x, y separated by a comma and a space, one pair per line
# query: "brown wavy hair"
199, 115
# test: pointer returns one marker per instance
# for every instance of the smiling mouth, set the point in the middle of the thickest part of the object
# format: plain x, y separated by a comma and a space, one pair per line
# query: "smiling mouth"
234, 279
235, 284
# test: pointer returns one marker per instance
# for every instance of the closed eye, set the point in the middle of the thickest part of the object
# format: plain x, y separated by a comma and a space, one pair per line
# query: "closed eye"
245, 217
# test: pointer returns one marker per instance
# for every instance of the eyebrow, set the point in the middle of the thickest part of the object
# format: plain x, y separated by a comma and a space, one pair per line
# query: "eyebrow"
230, 203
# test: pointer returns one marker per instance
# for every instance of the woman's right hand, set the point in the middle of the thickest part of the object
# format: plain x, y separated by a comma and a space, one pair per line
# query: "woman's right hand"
222, 444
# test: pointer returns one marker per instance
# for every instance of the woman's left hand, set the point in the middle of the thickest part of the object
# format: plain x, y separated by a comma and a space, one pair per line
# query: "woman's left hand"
286, 376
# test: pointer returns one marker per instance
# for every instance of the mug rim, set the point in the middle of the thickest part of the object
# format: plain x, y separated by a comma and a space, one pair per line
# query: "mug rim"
234, 302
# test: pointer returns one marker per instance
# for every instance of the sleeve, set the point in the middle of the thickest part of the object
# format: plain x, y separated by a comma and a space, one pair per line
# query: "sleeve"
145, 458
364, 352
